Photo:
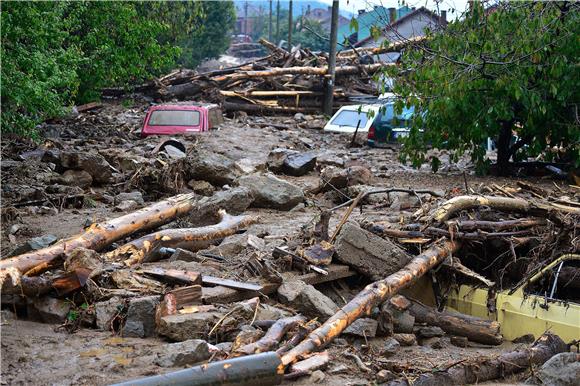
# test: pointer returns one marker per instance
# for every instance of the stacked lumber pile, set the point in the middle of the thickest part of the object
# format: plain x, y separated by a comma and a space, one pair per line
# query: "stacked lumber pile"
281, 82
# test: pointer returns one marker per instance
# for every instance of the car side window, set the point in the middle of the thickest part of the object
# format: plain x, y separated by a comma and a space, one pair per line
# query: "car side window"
562, 282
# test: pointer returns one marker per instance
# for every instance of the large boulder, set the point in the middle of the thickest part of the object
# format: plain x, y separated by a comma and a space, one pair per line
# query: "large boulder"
307, 299
368, 253
299, 164
277, 157
181, 327
92, 163
185, 353
561, 370
272, 192
212, 167
233, 201
79, 178
140, 320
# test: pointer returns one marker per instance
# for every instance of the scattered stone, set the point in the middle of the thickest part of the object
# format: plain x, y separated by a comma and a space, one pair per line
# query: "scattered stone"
131, 196
561, 370
341, 178
34, 244
339, 369
317, 377
92, 163
14, 229
384, 376
126, 206
363, 327
307, 142
106, 311
82, 258
315, 362
184, 353
403, 322
48, 210
201, 187
307, 299
277, 157
212, 167
250, 165
459, 341
368, 253
527, 338
79, 178
51, 310
430, 332
272, 192
399, 303
63, 189
434, 342
140, 320
299, 164
181, 327
390, 347
225, 346
406, 339
6, 316
173, 152
299, 117
234, 201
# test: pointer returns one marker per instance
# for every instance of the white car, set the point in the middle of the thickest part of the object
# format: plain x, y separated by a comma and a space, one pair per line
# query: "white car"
346, 119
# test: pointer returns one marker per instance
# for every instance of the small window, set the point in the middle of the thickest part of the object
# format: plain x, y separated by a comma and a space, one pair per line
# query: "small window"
350, 118
174, 118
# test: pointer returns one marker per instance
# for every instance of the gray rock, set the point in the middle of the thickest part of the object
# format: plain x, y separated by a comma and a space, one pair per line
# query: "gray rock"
459, 341
106, 311
234, 201
83, 258
201, 187
79, 178
406, 339
126, 206
92, 163
368, 253
384, 376
181, 327
51, 310
140, 320
299, 117
184, 353
173, 152
272, 192
434, 342
561, 370
341, 178
527, 338
130, 196
317, 376
212, 167
299, 164
225, 346
34, 244
277, 157
363, 327
307, 299
250, 165
430, 332
389, 347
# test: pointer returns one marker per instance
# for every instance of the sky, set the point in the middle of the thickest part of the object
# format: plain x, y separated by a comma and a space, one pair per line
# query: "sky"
355, 5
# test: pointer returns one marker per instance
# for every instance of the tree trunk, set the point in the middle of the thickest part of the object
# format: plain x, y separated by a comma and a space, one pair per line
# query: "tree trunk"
486, 369
503, 148
475, 329
370, 297
140, 250
272, 337
99, 236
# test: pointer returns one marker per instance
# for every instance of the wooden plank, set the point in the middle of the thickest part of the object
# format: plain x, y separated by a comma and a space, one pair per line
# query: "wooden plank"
189, 295
173, 276
238, 285
335, 272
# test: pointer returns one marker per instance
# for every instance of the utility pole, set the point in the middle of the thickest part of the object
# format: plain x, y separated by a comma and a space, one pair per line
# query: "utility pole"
246, 18
277, 22
270, 23
329, 90
290, 27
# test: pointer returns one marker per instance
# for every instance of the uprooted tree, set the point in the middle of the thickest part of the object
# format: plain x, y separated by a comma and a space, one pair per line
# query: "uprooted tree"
509, 73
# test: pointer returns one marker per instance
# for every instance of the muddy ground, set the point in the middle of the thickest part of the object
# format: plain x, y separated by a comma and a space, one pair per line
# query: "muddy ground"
36, 353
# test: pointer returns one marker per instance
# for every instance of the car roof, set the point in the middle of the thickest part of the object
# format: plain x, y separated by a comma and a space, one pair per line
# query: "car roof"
183, 106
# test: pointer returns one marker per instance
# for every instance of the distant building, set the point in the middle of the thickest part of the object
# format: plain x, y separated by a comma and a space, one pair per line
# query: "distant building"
324, 16
411, 24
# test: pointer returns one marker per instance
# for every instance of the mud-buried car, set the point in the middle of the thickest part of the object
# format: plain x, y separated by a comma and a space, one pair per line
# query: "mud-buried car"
182, 119
548, 301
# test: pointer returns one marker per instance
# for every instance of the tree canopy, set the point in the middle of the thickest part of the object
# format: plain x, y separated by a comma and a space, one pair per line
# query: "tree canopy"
510, 73
55, 54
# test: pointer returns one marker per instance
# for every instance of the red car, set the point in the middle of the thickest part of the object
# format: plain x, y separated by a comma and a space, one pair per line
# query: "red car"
181, 119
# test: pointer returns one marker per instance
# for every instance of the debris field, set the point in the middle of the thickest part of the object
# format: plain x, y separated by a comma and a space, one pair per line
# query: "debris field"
266, 245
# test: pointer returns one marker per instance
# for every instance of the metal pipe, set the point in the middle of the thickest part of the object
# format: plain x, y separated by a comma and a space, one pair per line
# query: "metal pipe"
260, 369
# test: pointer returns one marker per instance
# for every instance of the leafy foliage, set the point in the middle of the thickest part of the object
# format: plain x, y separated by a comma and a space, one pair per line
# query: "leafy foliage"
512, 70
55, 54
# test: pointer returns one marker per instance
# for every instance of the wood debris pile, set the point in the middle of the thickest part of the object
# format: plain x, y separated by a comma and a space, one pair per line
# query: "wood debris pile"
281, 82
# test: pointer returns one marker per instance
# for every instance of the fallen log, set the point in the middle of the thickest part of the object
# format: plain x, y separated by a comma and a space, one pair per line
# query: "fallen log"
475, 329
99, 236
231, 106
351, 54
485, 369
496, 226
272, 337
260, 369
370, 297
140, 250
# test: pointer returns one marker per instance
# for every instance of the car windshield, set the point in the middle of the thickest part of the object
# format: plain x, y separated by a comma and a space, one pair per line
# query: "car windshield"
174, 118
350, 118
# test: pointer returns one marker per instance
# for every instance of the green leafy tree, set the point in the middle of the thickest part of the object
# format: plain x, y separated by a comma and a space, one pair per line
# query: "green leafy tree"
513, 70
38, 68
